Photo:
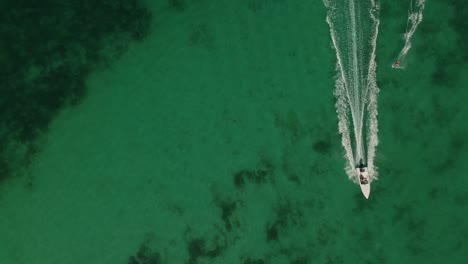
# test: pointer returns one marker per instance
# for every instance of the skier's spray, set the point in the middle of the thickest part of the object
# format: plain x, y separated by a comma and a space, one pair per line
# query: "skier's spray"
415, 16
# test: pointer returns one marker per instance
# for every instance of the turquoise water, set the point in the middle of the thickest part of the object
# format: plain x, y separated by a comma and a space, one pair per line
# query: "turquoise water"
205, 132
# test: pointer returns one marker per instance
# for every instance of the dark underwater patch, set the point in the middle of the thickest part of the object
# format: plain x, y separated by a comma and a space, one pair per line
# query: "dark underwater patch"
256, 176
290, 166
4, 168
200, 35
146, 254
449, 63
331, 259
291, 125
300, 260
199, 248
322, 146
454, 149
178, 5
288, 214
47, 51
440, 75
256, 5
447, 71
253, 261
401, 212
228, 208
326, 235
416, 241
461, 199
294, 178
436, 193
262, 175
460, 25
272, 232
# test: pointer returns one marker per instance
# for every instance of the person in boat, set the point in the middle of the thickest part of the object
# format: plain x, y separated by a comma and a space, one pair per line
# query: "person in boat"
363, 179
396, 64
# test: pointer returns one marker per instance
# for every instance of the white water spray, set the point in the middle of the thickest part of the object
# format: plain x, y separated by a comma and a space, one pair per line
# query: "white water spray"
415, 16
354, 28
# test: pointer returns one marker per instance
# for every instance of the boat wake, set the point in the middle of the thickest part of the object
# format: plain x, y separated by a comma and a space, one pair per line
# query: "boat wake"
415, 16
354, 28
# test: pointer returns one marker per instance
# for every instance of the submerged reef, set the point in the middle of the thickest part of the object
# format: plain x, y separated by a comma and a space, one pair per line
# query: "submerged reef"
146, 254
48, 49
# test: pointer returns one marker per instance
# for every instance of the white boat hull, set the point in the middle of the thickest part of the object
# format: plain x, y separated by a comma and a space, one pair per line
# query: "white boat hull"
364, 182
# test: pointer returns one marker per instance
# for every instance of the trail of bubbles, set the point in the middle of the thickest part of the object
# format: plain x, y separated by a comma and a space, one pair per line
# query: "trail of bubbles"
373, 90
354, 38
342, 95
415, 16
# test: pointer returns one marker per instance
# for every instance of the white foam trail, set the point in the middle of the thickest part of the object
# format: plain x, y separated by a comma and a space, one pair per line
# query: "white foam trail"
373, 90
354, 40
414, 18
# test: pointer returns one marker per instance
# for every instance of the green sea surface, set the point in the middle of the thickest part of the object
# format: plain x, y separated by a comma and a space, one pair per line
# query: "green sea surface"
202, 131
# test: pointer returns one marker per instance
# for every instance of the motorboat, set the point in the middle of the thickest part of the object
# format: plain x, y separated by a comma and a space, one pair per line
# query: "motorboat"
363, 178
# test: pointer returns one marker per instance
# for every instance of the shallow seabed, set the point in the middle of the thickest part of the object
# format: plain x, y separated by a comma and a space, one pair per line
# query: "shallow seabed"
213, 138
